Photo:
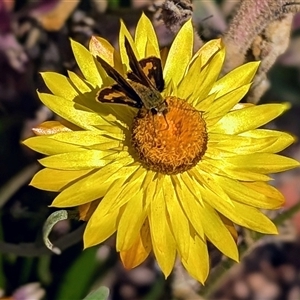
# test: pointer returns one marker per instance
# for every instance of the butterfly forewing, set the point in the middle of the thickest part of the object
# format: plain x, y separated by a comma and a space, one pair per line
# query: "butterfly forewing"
121, 93
148, 70
152, 68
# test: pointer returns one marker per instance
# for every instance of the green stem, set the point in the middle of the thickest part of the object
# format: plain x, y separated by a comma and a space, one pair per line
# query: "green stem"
215, 277
286, 215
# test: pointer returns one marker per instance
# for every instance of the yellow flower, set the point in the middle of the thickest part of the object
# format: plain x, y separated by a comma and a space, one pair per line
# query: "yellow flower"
168, 181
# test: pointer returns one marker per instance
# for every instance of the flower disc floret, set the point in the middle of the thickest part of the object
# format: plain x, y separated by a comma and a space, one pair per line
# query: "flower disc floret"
173, 142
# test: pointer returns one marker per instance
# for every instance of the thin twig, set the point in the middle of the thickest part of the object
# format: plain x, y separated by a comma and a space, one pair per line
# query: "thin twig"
38, 249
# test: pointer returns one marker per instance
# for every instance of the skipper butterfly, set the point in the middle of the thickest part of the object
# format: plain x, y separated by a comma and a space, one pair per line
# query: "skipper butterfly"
142, 86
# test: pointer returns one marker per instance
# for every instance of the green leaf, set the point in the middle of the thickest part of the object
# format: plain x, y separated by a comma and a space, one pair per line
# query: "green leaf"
100, 294
79, 277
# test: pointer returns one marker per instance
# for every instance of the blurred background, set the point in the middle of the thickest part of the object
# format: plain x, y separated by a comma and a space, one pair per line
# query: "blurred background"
34, 37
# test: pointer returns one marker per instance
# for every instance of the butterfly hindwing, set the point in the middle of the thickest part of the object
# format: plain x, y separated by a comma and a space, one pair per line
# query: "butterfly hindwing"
115, 94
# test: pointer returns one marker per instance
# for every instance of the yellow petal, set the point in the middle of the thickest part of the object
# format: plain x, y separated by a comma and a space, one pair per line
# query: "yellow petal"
50, 127
186, 87
178, 220
116, 115
222, 167
240, 214
147, 186
205, 179
140, 250
204, 104
197, 263
249, 118
267, 190
99, 227
236, 78
230, 226
84, 138
209, 75
144, 36
243, 193
55, 81
264, 163
93, 186
213, 152
180, 54
45, 145
190, 207
86, 210
217, 233
224, 104
120, 191
86, 63
281, 139
80, 84
100, 47
207, 72
163, 242
55, 180
188, 181
131, 222
208, 50
125, 61
66, 109
237, 144
129, 190
78, 160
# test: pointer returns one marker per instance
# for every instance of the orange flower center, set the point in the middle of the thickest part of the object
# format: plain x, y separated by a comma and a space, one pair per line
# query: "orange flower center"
171, 143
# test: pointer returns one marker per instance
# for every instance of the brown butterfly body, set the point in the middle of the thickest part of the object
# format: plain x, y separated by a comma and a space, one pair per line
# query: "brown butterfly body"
142, 86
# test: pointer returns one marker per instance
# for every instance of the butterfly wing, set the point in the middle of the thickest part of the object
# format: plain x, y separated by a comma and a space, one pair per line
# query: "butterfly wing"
121, 93
115, 94
147, 71
151, 66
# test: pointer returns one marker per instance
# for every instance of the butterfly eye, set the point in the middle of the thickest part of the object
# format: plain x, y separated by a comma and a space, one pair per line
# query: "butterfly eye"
154, 111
